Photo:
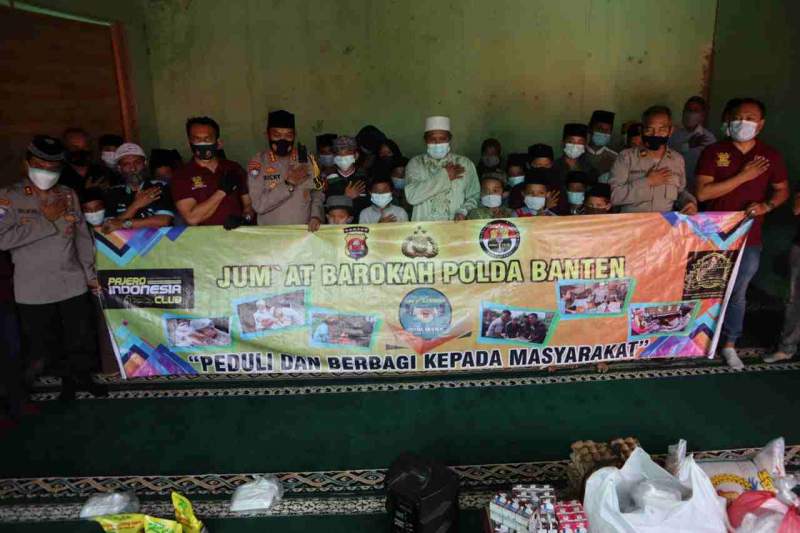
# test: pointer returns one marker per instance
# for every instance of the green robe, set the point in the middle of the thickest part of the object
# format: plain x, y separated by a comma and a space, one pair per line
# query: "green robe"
432, 194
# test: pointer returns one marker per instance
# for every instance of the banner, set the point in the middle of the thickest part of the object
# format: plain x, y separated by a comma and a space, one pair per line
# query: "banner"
475, 295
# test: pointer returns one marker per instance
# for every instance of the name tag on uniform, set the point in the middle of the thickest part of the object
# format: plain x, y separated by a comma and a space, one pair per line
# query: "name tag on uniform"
272, 180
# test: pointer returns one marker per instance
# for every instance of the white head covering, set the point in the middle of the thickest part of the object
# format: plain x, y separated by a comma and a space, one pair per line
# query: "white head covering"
129, 149
437, 123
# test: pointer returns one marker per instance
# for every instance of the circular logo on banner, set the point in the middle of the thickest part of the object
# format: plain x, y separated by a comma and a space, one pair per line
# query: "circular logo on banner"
426, 313
499, 238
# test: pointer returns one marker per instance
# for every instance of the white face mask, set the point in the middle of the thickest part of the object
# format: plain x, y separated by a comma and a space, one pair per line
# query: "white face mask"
492, 200
109, 158
515, 180
438, 150
574, 151
743, 130
343, 162
43, 179
381, 199
399, 183
534, 203
95, 218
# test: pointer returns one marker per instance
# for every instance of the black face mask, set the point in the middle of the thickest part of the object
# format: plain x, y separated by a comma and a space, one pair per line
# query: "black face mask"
281, 147
80, 158
654, 142
204, 152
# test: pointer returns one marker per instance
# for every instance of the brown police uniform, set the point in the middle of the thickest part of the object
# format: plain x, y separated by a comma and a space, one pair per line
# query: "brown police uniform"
53, 262
278, 202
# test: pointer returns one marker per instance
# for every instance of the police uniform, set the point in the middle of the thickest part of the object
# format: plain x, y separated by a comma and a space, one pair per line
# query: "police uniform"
53, 262
276, 200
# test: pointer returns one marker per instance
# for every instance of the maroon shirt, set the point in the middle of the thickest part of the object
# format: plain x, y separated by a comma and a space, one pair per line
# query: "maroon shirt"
194, 181
6, 278
722, 161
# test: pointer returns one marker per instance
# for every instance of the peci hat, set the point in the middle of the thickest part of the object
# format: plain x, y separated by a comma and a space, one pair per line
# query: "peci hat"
46, 148
129, 149
437, 123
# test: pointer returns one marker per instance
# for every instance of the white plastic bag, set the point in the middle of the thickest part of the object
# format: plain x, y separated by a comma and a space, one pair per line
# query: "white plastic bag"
611, 508
732, 477
258, 495
110, 503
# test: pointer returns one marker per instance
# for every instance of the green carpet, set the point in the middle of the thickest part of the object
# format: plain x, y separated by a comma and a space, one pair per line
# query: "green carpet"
470, 521
347, 431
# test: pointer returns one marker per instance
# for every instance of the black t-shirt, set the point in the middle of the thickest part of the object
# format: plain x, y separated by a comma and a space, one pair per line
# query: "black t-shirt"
338, 184
119, 197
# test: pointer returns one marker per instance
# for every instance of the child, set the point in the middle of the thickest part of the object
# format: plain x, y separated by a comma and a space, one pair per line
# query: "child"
576, 192
490, 162
598, 199
339, 210
491, 200
381, 209
347, 179
517, 164
93, 207
325, 154
397, 172
535, 195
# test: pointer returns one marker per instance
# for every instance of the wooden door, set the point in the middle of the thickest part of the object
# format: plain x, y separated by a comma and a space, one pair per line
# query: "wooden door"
57, 73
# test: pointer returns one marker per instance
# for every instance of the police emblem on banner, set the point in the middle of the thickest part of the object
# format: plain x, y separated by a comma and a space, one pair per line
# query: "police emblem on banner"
420, 244
707, 273
356, 242
499, 238
426, 313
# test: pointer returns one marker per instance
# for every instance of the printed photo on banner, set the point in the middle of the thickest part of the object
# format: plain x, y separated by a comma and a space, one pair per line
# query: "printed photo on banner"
270, 313
184, 332
503, 324
592, 298
661, 319
343, 331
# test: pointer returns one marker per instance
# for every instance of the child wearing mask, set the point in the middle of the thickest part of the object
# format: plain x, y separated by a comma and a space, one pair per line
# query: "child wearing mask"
576, 192
339, 210
491, 201
382, 209
93, 207
325, 154
598, 200
535, 195
491, 161
398, 174
347, 179
517, 165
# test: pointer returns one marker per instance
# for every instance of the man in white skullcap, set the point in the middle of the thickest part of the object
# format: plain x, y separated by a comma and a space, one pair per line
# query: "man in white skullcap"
441, 185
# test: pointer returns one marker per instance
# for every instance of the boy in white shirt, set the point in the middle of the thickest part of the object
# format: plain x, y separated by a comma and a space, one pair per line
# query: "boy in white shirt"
381, 209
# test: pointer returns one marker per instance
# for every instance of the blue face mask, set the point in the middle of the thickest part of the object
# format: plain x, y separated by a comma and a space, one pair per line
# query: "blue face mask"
575, 198
399, 183
515, 180
600, 139
438, 150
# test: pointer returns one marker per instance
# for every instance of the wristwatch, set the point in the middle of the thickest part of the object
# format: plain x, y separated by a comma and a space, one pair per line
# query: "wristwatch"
289, 186
127, 224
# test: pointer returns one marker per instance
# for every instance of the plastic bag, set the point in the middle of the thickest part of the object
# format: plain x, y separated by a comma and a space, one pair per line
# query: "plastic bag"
611, 509
733, 477
760, 511
110, 503
184, 514
258, 495
121, 523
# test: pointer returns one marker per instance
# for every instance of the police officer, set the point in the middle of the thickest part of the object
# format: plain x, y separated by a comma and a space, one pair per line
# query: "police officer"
285, 190
53, 253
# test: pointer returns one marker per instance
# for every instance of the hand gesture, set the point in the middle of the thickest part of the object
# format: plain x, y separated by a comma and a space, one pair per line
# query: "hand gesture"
454, 171
755, 167
297, 174
54, 208
111, 225
145, 197
354, 189
658, 176
388, 218
552, 198
689, 209
94, 287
